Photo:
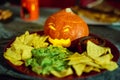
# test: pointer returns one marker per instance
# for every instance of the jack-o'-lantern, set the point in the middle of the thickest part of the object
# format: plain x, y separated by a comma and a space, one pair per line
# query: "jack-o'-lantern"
65, 25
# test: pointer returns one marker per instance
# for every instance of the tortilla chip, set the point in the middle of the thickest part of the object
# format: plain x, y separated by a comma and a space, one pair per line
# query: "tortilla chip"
95, 51
79, 68
63, 73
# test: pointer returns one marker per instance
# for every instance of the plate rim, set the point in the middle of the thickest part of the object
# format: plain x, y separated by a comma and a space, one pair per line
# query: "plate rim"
73, 76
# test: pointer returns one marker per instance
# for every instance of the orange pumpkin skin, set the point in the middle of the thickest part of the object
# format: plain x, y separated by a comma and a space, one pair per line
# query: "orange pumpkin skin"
64, 25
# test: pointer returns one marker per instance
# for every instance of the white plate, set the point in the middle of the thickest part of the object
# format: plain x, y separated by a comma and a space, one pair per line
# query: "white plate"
92, 22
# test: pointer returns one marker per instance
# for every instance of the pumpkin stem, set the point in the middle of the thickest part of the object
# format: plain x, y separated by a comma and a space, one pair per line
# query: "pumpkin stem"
68, 10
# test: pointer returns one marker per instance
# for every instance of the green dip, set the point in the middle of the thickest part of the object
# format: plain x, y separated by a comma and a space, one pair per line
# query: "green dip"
46, 59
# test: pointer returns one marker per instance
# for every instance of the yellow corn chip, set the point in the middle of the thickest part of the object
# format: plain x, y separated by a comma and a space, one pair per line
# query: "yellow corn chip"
105, 59
88, 69
63, 73
79, 68
13, 55
77, 58
110, 66
95, 51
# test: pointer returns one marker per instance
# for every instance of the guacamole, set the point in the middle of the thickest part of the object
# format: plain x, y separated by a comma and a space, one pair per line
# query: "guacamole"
47, 59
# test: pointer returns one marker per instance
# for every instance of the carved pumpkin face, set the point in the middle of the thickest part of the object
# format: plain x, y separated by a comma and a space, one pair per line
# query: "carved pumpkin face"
65, 25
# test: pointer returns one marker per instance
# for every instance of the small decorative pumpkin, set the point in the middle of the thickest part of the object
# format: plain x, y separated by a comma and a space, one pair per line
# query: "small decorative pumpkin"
65, 25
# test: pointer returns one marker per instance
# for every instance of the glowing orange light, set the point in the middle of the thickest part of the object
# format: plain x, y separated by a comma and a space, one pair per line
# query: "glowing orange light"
30, 9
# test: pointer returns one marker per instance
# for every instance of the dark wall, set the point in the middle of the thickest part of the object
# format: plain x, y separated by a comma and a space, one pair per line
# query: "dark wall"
46, 3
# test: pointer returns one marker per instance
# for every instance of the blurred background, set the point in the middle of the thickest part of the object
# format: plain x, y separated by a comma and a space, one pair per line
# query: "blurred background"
92, 11
66, 3
45, 3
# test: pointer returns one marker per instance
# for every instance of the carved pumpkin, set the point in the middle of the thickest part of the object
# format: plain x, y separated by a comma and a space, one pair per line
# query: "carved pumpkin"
65, 25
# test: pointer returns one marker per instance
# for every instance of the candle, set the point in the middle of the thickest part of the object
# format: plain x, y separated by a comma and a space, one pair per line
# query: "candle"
29, 9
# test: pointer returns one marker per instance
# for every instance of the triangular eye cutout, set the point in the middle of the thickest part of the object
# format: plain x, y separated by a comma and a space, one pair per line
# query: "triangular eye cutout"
52, 26
66, 28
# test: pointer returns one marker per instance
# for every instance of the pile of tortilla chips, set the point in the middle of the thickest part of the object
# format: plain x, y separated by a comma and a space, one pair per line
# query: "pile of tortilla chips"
94, 59
20, 49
